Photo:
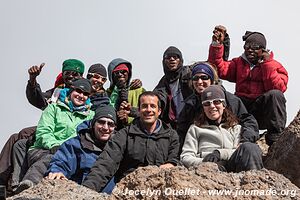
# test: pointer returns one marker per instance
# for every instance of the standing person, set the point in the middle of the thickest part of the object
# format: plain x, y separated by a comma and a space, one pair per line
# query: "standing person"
260, 80
76, 156
72, 69
215, 137
123, 97
57, 124
128, 146
204, 75
173, 88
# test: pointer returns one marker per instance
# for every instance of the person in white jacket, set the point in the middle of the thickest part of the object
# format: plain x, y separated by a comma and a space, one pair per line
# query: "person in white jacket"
215, 137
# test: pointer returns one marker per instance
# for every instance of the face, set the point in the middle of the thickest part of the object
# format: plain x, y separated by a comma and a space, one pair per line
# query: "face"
253, 52
120, 77
172, 61
200, 82
70, 76
103, 128
78, 97
214, 109
96, 80
149, 110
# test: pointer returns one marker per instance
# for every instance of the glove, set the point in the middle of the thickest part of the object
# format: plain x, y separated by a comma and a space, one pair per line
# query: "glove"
212, 157
54, 149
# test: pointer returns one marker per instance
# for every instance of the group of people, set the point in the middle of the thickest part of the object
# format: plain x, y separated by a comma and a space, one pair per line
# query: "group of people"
96, 136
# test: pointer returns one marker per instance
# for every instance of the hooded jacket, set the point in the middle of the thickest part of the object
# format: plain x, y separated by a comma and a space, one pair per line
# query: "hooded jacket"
264, 76
130, 148
133, 94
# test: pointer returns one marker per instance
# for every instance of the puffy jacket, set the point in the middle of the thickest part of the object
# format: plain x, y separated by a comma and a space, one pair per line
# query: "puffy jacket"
201, 141
193, 108
58, 124
265, 76
130, 148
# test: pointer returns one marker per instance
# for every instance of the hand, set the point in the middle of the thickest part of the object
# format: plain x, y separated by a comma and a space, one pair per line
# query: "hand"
212, 157
125, 106
219, 34
123, 116
135, 84
265, 55
34, 71
166, 166
56, 175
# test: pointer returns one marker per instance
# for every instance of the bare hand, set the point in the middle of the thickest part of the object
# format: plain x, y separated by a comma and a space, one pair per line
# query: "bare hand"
166, 166
56, 175
135, 84
34, 71
125, 106
219, 34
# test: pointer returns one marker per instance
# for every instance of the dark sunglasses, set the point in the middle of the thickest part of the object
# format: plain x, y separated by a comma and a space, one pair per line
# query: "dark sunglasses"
202, 77
122, 72
216, 102
96, 76
252, 46
71, 73
102, 122
169, 56
82, 92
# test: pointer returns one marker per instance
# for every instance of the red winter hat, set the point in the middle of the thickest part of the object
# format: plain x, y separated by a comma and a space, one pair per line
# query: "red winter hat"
121, 67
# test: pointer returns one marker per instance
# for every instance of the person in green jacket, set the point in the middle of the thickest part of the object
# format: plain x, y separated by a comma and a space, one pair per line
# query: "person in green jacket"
57, 124
123, 96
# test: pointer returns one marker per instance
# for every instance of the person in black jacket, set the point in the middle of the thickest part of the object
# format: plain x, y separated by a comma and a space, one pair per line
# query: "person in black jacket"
204, 75
147, 141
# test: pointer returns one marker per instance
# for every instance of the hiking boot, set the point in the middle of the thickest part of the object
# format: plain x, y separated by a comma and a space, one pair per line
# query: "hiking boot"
23, 186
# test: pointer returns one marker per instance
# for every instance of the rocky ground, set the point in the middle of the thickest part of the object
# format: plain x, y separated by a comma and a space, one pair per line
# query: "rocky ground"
202, 182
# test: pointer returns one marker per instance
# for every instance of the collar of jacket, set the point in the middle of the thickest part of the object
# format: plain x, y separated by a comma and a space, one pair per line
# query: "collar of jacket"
89, 142
61, 104
136, 128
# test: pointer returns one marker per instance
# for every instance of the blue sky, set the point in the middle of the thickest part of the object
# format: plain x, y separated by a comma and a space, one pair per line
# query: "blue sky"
96, 31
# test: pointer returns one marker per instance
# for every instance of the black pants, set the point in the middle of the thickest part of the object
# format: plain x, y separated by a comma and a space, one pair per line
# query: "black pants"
246, 157
269, 110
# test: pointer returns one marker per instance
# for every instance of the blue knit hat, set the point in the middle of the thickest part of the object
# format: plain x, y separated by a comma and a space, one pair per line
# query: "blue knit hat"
203, 68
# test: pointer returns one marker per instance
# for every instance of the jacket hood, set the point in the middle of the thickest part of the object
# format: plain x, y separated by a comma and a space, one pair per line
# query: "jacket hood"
113, 64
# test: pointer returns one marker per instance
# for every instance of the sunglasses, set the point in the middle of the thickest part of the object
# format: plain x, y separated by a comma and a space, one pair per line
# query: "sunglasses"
169, 56
82, 92
202, 77
252, 46
71, 73
96, 76
216, 102
122, 72
102, 122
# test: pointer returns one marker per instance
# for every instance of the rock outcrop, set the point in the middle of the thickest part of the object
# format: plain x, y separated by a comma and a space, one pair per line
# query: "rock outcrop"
284, 155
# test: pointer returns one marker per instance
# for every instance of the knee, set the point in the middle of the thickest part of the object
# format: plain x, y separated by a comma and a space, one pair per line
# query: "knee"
250, 148
277, 94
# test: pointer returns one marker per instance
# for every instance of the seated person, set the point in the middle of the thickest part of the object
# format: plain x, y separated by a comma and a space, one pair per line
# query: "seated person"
215, 137
57, 124
76, 156
127, 151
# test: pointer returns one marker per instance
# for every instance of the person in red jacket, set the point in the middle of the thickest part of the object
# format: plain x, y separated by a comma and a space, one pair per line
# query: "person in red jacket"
260, 80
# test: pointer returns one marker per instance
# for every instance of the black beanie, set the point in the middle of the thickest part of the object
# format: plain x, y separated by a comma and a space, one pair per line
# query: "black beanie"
82, 84
173, 50
98, 69
105, 111
255, 37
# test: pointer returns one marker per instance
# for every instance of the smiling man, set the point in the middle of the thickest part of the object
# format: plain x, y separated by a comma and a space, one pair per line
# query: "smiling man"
147, 141
260, 80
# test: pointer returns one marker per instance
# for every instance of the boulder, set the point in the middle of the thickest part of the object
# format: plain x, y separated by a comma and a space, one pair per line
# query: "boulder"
283, 156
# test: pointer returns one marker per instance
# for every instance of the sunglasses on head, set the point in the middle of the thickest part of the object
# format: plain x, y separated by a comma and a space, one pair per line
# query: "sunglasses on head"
82, 92
252, 46
202, 77
102, 122
216, 102
96, 76
169, 56
71, 73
